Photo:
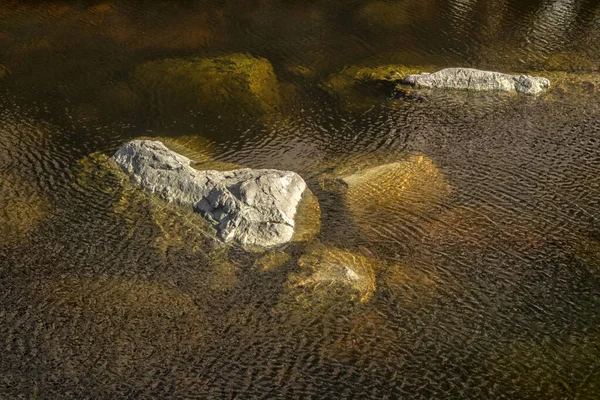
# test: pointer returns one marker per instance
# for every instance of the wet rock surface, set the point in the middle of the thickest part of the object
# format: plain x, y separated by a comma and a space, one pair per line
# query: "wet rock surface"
477, 80
251, 207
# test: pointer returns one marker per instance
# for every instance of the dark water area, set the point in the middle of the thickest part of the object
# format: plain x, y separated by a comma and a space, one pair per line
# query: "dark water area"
492, 281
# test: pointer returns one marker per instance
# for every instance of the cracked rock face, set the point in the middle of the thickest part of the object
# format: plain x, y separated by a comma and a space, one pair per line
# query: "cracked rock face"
254, 207
477, 80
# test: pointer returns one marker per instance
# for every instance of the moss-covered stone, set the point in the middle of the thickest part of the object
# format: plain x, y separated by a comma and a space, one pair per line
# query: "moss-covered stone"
340, 82
301, 71
181, 89
580, 86
22, 208
381, 195
178, 228
323, 267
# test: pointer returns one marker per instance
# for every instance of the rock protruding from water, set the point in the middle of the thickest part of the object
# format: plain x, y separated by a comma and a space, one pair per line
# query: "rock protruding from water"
254, 207
477, 80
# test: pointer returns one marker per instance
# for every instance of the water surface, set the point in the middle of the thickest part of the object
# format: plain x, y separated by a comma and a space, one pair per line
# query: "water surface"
497, 288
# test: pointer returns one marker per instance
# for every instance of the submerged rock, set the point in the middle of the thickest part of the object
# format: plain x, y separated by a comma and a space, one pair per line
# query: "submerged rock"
477, 80
251, 207
581, 86
358, 86
183, 88
324, 266
382, 197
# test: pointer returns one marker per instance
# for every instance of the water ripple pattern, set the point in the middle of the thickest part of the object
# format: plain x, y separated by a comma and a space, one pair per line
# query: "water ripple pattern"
475, 218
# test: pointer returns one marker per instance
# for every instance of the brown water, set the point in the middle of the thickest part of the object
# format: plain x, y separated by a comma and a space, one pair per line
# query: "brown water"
496, 286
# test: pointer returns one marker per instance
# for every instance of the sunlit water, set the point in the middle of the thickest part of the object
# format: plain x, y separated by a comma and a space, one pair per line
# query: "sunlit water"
498, 289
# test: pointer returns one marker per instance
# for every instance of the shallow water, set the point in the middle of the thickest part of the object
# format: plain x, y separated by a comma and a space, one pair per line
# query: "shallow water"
493, 283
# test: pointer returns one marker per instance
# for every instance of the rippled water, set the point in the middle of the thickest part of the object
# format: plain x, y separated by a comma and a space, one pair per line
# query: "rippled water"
492, 286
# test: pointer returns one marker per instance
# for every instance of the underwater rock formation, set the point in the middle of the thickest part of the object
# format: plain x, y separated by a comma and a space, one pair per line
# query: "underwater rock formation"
477, 80
359, 87
251, 207
382, 196
323, 266
183, 88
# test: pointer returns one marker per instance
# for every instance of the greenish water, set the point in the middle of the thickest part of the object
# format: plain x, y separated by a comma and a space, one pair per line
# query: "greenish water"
486, 281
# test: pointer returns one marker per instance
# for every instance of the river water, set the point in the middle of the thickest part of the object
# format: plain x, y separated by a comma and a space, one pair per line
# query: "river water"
496, 287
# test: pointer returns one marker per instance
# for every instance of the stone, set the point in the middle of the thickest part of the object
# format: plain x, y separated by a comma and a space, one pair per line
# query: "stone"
182, 89
324, 266
380, 197
359, 88
478, 80
253, 207
339, 83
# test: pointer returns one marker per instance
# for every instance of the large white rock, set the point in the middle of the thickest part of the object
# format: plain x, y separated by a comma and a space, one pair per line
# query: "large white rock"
255, 207
477, 80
